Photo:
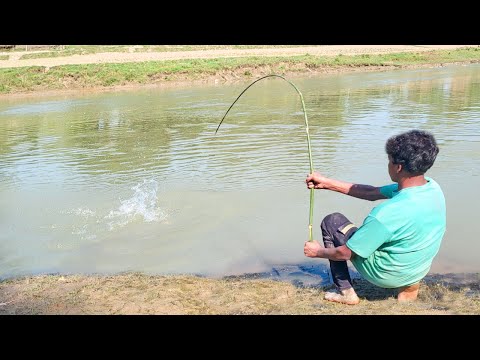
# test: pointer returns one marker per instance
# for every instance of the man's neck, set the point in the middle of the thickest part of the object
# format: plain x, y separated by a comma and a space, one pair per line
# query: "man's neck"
411, 181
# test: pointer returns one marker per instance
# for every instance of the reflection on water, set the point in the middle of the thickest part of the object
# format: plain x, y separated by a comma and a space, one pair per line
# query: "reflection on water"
138, 181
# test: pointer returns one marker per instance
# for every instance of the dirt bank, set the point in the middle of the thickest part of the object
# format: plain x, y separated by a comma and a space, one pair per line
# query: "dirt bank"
143, 294
109, 71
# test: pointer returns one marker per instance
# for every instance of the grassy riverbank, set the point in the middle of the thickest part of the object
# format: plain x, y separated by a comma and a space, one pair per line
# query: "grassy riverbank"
192, 295
109, 75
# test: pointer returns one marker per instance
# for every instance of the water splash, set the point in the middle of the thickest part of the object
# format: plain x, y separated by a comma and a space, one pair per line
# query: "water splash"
143, 204
83, 212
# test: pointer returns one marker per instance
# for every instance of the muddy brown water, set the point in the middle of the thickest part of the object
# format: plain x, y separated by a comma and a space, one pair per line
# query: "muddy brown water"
137, 180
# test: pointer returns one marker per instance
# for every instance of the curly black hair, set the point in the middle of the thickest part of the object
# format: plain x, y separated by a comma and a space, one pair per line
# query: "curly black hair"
416, 150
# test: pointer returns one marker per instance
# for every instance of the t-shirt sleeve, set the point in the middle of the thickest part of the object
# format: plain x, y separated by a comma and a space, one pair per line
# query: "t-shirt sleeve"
369, 237
388, 190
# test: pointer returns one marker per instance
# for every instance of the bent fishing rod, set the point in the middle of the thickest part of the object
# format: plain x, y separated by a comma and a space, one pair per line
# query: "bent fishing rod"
310, 218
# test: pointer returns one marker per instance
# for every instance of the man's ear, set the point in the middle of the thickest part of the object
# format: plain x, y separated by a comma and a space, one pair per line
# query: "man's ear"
399, 168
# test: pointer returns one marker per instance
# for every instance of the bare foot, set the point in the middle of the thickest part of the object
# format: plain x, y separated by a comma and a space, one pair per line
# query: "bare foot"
348, 296
408, 293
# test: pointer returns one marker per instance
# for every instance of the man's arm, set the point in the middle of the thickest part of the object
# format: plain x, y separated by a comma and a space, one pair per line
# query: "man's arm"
314, 249
365, 192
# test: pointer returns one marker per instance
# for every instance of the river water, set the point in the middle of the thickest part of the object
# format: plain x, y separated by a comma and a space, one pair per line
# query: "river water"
138, 181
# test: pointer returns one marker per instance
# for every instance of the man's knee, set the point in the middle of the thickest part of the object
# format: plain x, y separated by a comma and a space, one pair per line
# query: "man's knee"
333, 221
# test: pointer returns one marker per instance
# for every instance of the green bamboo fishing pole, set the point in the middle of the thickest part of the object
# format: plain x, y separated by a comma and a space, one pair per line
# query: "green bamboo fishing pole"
310, 219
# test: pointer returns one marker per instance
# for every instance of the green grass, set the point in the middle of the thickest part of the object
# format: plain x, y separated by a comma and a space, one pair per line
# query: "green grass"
105, 75
4, 57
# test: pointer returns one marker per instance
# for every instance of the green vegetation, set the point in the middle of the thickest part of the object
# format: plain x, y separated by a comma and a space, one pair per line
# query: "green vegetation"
106, 75
4, 57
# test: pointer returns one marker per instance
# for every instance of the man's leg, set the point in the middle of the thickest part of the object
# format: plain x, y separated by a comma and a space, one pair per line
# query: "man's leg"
336, 230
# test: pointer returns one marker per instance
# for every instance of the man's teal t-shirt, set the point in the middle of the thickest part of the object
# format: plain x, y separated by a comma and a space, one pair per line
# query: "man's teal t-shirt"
398, 240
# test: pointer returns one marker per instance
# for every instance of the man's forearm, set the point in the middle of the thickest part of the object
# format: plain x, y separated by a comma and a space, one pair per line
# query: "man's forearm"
366, 192
340, 253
